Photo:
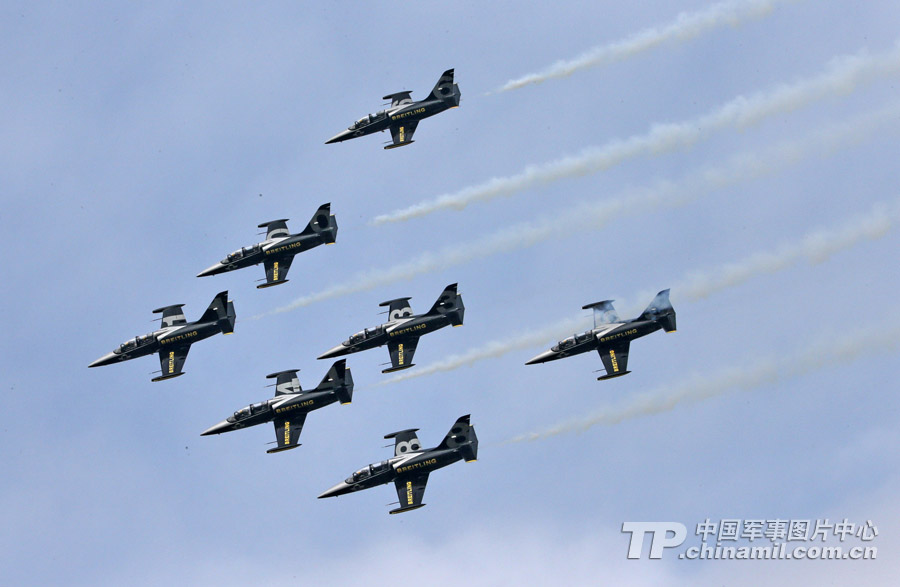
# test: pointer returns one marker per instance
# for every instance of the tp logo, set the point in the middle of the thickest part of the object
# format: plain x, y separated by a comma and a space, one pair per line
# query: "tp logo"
659, 540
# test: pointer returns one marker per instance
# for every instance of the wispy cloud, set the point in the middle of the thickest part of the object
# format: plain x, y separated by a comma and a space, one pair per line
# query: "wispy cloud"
842, 76
686, 25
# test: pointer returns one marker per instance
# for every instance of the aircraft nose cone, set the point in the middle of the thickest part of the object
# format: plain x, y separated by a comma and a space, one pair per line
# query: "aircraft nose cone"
339, 489
107, 359
217, 268
341, 136
335, 352
223, 426
541, 358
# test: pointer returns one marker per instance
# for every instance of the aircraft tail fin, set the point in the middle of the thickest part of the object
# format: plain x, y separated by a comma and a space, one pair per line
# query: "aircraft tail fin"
323, 223
340, 380
462, 436
221, 310
227, 323
661, 310
446, 90
450, 303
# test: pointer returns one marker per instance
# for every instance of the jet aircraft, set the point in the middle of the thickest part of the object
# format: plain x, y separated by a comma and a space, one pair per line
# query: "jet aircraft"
402, 330
176, 335
289, 407
278, 250
410, 465
403, 115
611, 336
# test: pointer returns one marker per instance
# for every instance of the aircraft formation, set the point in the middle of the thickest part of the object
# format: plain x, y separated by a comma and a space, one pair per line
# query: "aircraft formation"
411, 465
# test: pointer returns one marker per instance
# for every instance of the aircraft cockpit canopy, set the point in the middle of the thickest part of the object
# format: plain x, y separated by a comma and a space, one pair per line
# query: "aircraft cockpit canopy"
251, 410
584, 336
363, 335
367, 119
135, 342
240, 254
368, 471
564, 344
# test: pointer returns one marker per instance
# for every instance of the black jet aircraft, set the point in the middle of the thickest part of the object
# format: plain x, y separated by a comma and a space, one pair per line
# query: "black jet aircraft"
402, 330
611, 336
403, 115
289, 407
410, 465
278, 250
176, 335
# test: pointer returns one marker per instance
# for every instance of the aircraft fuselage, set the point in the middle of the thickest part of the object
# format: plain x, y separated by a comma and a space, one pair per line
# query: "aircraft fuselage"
383, 120
398, 467
284, 406
267, 250
399, 331
159, 340
598, 339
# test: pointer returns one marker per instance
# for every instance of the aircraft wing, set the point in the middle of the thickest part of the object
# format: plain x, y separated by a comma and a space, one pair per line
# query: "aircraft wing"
276, 271
172, 360
402, 133
287, 432
615, 359
410, 490
402, 353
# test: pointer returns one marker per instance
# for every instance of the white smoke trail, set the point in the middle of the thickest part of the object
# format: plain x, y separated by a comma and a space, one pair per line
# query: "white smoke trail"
843, 75
841, 349
595, 215
815, 247
498, 348
686, 25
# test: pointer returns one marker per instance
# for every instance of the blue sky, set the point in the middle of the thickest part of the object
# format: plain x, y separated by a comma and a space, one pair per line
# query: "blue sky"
145, 143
